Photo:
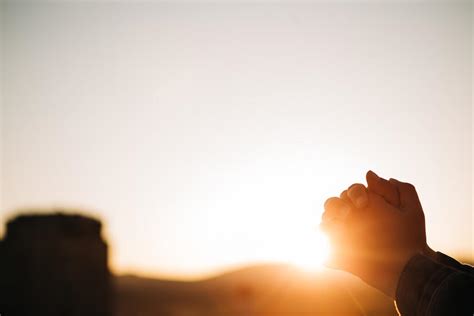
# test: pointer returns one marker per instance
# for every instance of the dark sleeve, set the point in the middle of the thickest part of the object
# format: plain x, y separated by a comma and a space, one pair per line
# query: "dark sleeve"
452, 263
429, 288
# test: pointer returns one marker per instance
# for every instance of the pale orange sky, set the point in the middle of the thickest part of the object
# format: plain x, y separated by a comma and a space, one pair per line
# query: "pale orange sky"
207, 136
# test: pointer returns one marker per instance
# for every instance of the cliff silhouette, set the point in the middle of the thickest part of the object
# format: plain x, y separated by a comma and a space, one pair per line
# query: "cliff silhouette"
54, 264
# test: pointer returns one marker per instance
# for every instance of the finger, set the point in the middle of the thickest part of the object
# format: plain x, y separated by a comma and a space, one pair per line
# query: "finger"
408, 197
346, 198
358, 195
335, 208
382, 187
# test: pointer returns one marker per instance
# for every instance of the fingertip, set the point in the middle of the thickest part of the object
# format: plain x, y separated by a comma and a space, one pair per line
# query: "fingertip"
328, 201
334, 200
344, 196
372, 179
371, 174
337, 206
358, 195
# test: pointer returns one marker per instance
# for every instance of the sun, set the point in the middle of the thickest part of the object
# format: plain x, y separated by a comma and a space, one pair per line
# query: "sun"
308, 251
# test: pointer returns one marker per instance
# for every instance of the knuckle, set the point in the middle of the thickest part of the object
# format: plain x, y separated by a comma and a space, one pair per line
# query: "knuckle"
356, 188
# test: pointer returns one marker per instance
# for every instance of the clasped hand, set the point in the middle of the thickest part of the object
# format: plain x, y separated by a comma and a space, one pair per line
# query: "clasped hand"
375, 229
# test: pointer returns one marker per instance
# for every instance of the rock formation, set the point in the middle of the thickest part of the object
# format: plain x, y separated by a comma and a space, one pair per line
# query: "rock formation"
54, 264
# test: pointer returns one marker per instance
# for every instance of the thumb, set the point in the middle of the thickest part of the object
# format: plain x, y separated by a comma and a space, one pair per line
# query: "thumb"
384, 188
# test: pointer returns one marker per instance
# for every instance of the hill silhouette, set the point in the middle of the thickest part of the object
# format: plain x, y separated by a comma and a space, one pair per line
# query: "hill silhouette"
253, 290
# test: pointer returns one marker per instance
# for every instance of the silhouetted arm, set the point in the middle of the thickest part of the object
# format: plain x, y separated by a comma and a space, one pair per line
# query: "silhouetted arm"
429, 288
452, 263
378, 234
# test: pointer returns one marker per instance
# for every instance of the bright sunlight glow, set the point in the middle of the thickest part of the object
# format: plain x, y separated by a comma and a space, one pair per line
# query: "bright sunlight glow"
310, 251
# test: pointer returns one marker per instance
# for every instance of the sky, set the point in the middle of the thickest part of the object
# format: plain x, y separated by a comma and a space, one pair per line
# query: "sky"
206, 136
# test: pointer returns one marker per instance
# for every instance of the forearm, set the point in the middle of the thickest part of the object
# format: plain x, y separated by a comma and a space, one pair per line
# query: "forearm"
452, 263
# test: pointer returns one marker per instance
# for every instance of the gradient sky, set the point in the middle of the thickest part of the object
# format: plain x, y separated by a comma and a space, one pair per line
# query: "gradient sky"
209, 135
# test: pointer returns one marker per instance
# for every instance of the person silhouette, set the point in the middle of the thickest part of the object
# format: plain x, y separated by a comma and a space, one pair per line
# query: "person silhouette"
377, 232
